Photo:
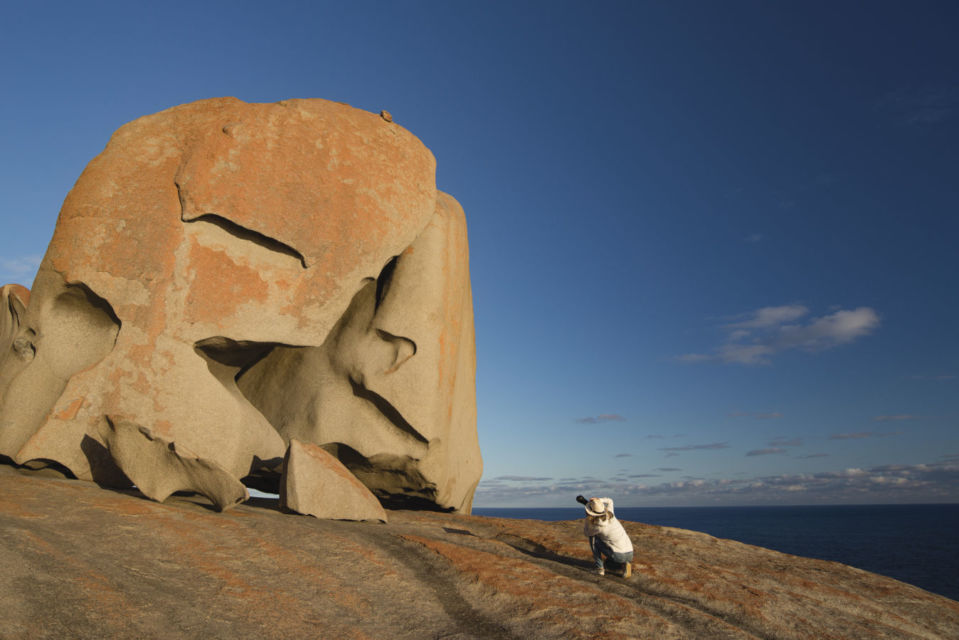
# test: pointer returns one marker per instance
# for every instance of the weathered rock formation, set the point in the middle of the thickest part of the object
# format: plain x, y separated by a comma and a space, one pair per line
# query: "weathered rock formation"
13, 304
83, 563
392, 387
317, 484
159, 468
235, 275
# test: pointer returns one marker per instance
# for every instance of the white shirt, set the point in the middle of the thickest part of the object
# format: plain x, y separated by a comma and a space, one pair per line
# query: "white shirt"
610, 531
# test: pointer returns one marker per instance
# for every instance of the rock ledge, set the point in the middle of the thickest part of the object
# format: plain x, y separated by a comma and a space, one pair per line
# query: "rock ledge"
80, 562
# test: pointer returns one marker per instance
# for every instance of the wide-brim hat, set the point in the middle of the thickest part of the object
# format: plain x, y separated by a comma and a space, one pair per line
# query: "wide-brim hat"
595, 507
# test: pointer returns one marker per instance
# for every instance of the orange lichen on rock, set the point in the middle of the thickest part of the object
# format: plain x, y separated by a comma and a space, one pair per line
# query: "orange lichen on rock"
579, 610
220, 286
70, 411
179, 570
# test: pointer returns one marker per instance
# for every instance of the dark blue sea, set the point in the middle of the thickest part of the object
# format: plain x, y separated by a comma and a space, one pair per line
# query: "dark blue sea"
916, 543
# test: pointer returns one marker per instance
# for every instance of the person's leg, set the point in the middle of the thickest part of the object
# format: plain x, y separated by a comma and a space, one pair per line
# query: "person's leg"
600, 549
597, 556
621, 558
624, 559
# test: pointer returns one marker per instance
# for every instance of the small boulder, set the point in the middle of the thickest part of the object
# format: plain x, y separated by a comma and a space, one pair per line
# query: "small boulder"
158, 468
317, 484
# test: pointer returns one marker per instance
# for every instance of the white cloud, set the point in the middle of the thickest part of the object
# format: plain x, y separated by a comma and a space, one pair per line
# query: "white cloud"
698, 447
766, 332
603, 417
765, 452
932, 482
735, 353
22, 268
770, 317
862, 435
829, 331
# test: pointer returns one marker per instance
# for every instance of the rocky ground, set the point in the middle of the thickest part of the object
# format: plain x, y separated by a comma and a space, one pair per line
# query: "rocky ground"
77, 561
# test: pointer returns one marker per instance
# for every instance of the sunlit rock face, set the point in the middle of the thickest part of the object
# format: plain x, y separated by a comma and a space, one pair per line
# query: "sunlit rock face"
390, 391
229, 276
317, 484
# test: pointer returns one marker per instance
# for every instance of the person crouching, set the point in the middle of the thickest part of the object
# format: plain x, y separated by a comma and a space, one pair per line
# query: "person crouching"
607, 537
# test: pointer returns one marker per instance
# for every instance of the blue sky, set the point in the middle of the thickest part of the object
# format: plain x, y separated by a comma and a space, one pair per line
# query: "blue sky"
713, 245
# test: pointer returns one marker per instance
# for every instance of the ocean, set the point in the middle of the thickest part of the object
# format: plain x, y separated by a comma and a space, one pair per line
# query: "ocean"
915, 543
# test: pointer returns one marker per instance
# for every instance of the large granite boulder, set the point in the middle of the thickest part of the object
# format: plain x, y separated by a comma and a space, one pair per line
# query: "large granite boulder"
211, 243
